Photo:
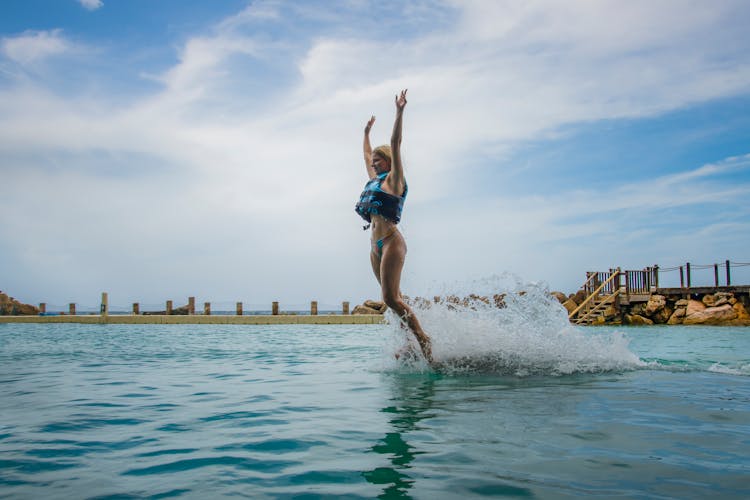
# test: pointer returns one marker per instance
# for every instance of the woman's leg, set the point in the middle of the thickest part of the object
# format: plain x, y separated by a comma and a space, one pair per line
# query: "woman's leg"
391, 264
375, 261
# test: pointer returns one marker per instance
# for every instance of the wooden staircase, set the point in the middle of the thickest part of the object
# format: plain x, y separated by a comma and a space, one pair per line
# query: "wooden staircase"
601, 292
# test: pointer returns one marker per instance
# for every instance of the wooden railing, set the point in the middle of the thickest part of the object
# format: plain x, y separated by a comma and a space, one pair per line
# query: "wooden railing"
640, 282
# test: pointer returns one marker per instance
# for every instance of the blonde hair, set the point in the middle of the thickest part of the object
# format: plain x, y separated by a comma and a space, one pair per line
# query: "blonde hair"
384, 151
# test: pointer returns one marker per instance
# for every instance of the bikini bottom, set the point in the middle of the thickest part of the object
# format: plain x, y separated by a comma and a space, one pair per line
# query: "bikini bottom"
377, 247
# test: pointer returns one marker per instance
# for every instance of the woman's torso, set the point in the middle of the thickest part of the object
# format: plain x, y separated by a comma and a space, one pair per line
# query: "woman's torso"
381, 207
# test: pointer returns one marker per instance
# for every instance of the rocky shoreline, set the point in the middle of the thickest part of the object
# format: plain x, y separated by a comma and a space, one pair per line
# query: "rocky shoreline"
11, 307
720, 308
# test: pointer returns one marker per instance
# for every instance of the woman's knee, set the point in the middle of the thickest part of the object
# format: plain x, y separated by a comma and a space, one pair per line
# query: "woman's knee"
393, 300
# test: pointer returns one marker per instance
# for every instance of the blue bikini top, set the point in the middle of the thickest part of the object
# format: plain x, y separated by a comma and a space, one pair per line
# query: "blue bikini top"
375, 201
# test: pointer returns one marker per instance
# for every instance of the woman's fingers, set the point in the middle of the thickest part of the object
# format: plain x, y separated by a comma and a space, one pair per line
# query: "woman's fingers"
401, 99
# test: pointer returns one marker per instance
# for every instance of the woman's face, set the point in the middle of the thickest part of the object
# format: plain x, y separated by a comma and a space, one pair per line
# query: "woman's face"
380, 164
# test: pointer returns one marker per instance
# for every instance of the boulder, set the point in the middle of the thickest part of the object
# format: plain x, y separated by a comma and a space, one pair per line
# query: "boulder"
677, 316
561, 297
681, 303
362, 309
610, 313
710, 315
662, 316
570, 305
709, 300
176, 311
578, 297
25, 309
11, 307
721, 298
693, 307
741, 311
377, 305
6, 306
655, 303
639, 309
637, 320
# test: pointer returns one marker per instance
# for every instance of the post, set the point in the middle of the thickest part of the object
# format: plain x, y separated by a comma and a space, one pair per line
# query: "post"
191, 305
275, 308
716, 274
104, 309
682, 278
136, 308
345, 307
207, 309
656, 275
314, 308
43, 307
72, 308
687, 266
169, 307
729, 280
239, 308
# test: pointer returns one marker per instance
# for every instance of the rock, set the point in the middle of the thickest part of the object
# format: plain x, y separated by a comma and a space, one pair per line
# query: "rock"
709, 300
655, 303
741, 311
662, 316
6, 306
578, 297
561, 297
722, 298
733, 301
25, 309
677, 316
610, 313
639, 309
362, 309
637, 320
11, 307
681, 303
693, 307
376, 305
710, 316
598, 321
176, 311
181, 311
570, 305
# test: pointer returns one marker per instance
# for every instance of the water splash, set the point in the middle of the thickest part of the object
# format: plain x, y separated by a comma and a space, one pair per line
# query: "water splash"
503, 325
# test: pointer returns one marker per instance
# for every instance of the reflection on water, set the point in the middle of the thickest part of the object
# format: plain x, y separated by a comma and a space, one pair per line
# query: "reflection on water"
411, 403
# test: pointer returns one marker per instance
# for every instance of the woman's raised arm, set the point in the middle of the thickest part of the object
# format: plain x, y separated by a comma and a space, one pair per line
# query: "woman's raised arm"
396, 177
367, 149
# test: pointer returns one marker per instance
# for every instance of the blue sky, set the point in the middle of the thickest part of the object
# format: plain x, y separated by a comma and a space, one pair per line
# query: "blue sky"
158, 150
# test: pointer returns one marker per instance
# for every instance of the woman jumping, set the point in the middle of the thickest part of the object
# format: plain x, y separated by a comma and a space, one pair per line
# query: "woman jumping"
380, 204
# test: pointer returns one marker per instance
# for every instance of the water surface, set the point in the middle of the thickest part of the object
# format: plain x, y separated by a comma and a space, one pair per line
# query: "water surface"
203, 411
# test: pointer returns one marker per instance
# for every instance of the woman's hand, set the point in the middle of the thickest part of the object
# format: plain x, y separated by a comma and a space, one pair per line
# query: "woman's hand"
369, 125
401, 100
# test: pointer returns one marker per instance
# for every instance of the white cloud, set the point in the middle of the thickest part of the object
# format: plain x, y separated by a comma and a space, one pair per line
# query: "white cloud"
34, 46
91, 4
218, 184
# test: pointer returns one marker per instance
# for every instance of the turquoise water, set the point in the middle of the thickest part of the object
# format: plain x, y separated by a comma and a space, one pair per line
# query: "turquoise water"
206, 411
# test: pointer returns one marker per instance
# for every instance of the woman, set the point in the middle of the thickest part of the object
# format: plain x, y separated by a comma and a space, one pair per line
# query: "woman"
380, 204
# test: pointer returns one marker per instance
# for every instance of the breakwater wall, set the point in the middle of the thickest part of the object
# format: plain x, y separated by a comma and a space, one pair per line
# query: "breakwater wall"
12, 311
163, 319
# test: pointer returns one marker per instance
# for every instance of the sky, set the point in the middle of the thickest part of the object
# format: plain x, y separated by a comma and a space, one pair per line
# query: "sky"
160, 150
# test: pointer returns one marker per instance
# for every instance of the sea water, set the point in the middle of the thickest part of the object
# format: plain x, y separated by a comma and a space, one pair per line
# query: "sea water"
518, 404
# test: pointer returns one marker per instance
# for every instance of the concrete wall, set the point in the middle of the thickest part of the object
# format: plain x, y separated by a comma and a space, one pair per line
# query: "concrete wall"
324, 319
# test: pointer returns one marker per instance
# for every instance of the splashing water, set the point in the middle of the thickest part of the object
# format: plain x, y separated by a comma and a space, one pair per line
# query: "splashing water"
502, 325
